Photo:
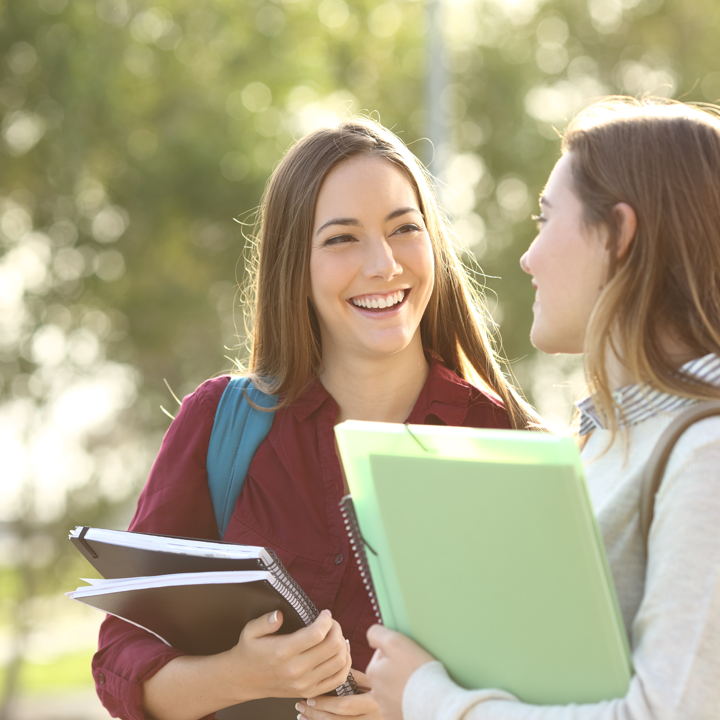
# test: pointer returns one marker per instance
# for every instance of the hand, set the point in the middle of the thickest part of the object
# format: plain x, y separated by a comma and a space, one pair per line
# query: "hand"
351, 706
306, 663
396, 658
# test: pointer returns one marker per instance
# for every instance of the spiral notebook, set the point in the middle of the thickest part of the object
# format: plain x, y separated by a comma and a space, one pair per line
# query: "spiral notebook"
483, 547
194, 595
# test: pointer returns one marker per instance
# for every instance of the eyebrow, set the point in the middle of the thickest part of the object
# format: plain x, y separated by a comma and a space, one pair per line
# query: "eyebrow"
356, 223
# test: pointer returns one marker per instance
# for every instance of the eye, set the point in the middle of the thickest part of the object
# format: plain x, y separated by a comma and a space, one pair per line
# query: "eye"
410, 227
338, 240
538, 220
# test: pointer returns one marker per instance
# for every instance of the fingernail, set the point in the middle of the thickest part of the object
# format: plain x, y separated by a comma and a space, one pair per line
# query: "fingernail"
347, 642
273, 618
327, 612
311, 702
299, 707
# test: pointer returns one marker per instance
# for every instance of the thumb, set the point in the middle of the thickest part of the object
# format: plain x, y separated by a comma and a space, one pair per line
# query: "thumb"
378, 636
264, 625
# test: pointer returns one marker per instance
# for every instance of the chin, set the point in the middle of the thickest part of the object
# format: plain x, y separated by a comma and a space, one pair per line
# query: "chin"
544, 343
388, 347
553, 346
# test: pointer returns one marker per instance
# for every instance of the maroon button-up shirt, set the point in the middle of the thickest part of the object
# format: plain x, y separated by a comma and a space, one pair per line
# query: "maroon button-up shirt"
289, 503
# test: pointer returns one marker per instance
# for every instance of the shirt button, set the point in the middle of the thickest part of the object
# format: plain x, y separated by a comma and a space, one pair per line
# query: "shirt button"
338, 559
101, 679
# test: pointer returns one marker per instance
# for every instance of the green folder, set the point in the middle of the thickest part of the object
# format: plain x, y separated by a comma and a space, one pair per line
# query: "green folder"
483, 547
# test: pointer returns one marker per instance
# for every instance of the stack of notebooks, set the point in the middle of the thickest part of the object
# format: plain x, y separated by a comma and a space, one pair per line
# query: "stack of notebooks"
194, 595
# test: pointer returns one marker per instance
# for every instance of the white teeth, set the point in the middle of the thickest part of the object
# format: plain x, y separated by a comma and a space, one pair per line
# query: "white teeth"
383, 302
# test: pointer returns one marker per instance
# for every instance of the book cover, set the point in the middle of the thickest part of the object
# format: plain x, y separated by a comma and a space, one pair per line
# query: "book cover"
487, 553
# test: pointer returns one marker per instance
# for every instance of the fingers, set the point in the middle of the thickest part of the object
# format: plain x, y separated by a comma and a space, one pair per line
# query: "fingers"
325, 665
308, 662
329, 645
378, 637
361, 679
311, 661
310, 637
331, 673
264, 625
327, 707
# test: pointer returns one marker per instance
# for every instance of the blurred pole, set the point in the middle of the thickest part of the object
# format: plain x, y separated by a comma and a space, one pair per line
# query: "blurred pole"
437, 110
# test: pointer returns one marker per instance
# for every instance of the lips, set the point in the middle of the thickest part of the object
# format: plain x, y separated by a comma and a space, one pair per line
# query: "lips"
380, 303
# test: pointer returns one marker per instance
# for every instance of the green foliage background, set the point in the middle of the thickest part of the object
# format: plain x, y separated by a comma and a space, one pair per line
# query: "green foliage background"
134, 131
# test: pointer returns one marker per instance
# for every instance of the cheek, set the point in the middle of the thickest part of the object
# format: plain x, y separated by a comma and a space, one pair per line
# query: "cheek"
421, 261
327, 271
545, 257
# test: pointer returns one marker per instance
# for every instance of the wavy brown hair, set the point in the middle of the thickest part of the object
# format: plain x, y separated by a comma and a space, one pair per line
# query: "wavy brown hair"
285, 344
663, 159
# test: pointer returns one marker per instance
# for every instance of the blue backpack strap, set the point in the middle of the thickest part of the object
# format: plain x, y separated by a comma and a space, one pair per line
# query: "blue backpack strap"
237, 432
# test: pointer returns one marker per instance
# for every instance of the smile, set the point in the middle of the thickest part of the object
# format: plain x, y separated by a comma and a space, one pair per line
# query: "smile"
380, 302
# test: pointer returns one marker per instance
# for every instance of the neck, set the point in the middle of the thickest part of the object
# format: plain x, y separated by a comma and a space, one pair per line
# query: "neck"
381, 389
619, 375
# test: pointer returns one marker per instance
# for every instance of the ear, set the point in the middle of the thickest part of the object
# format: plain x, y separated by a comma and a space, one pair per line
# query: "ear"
627, 226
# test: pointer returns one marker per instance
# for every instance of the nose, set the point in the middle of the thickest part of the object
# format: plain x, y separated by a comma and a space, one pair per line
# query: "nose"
380, 261
524, 262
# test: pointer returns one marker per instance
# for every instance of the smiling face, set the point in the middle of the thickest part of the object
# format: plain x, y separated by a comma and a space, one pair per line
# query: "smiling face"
569, 264
371, 262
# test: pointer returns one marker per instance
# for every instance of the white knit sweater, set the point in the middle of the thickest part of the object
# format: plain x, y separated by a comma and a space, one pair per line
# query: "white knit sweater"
670, 604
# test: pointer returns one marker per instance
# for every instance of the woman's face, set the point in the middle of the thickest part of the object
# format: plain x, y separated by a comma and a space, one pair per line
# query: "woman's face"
371, 262
569, 265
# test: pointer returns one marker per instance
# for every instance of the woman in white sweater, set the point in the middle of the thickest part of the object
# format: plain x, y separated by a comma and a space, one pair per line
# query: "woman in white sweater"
626, 267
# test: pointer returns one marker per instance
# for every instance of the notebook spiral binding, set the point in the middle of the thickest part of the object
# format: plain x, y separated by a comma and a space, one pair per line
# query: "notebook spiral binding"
305, 607
357, 545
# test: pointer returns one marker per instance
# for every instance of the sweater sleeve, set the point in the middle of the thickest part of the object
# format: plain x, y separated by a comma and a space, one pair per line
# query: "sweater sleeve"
174, 501
675, 634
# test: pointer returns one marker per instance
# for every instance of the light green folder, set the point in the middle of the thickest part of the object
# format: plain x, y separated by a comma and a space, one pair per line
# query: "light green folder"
485, 550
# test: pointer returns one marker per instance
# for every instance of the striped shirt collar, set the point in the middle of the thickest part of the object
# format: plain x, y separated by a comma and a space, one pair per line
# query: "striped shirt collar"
640, 402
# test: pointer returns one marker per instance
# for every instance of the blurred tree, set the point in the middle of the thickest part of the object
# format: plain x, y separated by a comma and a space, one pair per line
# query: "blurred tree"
133, 131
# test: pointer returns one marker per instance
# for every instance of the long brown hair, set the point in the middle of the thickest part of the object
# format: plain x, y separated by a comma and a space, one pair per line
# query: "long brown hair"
663, 159
286, 351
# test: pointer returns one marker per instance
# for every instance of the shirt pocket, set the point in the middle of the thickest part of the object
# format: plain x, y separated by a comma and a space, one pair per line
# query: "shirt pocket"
304, 571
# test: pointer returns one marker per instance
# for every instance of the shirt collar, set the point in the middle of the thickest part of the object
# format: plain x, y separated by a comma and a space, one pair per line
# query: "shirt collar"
639, 402
444, 395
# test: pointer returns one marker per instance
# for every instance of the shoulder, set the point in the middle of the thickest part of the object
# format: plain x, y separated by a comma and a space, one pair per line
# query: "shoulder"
688, 500
207, 396
196, 415
698, 448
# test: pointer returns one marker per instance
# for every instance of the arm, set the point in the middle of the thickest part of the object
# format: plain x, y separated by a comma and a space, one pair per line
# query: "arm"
676, 632
136, 673
174, 501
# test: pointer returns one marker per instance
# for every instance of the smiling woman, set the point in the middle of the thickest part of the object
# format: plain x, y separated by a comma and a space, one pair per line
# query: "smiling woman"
346, 186
361, 310
370, 284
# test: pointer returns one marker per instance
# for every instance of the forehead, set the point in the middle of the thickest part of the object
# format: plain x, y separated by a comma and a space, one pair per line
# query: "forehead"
362, 185
560, 180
